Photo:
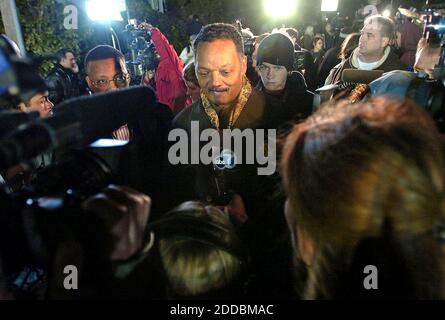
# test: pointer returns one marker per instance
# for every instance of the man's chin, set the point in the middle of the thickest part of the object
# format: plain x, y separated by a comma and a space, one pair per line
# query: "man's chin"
219, 99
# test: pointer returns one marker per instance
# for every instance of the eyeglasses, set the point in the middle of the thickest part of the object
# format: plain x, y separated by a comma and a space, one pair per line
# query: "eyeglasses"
264, 68
121, 80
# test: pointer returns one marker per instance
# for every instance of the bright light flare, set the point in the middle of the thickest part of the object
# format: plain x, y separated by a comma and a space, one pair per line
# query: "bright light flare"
386, 13
329, 5
105, 10
280, 8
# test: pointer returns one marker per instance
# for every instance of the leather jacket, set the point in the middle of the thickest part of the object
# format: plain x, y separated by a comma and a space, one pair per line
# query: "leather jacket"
62, 84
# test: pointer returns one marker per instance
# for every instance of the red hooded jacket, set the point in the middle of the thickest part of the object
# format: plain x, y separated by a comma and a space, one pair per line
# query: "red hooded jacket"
170, 87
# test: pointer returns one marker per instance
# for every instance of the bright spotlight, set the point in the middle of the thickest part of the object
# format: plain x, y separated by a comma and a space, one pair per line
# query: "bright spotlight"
105, 10
386, 13
329, 5
280, 8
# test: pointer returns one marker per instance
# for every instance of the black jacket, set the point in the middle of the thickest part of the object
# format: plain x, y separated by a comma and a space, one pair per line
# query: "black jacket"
63, 84
329, 61
296, 99
197, 181
264, 233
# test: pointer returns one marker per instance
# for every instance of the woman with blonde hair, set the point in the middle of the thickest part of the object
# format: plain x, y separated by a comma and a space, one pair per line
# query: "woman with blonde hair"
365, 186
199, 254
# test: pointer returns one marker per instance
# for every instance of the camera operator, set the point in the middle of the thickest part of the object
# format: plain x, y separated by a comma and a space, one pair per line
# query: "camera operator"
169, 86
123, 214
398, 83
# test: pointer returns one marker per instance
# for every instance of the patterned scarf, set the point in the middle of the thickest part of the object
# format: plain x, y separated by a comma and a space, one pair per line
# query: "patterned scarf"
243, 97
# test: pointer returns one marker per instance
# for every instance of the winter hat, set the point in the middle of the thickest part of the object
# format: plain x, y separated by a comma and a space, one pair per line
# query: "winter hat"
276, 49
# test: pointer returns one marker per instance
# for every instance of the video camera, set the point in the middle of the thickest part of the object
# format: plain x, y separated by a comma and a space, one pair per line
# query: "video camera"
428, 93
46, 214
139, 40
431, 93
248, 39
19, 77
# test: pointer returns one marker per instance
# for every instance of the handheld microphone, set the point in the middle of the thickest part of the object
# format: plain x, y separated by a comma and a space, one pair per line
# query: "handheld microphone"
78, 121
360, 76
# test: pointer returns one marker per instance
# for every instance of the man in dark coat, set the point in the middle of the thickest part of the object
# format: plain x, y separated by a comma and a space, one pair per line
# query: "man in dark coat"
228, 101
63, 80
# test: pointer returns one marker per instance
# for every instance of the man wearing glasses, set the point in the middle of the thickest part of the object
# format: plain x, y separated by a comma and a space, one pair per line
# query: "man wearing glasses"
106, 71
142, 160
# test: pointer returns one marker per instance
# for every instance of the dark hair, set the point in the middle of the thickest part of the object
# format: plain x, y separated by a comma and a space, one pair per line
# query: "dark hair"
348, 46
189, 74
314, 42
61, 53
217, 31
103, 52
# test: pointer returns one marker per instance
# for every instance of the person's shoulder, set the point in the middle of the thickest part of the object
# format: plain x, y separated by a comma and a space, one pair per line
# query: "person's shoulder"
393, 62
265, 103
296, 81
331, 51
55, 71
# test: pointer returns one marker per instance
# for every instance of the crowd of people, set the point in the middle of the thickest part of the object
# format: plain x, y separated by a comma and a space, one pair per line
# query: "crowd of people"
360, 180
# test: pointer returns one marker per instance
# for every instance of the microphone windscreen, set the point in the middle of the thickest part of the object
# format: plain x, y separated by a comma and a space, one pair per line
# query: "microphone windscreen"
360, 76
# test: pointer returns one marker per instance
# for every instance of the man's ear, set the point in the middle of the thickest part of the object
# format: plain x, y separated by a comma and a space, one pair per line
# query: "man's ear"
22, 107
244, 64
90, 84
385, 42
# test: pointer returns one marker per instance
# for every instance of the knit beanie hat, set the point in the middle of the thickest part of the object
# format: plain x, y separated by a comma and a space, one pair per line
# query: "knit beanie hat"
276, 49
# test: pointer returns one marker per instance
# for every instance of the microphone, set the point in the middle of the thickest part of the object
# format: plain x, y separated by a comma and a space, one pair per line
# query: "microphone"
77, 121
360, 76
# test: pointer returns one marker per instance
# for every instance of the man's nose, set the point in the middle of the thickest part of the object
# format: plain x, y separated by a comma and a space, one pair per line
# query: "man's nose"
215, 79
49, 104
